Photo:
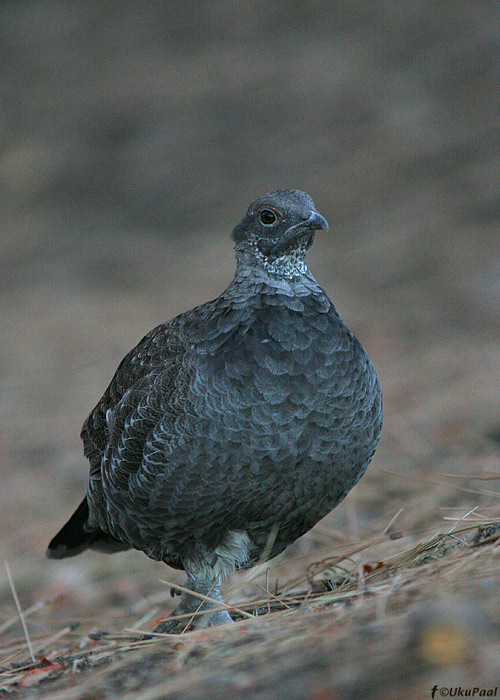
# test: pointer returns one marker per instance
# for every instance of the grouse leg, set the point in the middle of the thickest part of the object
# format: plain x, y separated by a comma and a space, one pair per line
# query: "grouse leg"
189, 605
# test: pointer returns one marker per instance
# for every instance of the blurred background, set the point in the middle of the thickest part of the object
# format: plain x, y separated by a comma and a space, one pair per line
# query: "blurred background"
133, 137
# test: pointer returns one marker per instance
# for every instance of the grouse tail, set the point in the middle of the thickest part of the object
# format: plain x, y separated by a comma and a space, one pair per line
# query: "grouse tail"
73, 538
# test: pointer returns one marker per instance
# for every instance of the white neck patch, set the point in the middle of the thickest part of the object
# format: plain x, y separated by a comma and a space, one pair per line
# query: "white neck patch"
288, 266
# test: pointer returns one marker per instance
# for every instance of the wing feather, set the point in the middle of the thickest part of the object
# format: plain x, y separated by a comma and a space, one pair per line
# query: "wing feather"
160, 348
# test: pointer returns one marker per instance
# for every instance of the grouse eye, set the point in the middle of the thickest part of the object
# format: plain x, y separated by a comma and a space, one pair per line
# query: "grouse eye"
268, 217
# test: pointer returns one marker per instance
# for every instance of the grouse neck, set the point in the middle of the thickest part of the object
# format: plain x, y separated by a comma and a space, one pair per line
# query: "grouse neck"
289, 266
253, 280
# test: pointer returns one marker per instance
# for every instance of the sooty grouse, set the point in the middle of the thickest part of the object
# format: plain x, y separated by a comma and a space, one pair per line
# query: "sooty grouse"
229, 431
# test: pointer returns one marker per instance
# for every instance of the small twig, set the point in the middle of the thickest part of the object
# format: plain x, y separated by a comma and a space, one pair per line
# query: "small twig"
19, 610
304, 601
267, 590
274, 597
458, 539
55, 637
463, 562
462, 519
391, 521
271, 539
144, 619
29, 611
486, 540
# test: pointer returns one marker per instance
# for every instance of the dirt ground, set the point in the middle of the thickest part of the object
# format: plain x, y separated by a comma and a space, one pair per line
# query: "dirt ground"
134, 135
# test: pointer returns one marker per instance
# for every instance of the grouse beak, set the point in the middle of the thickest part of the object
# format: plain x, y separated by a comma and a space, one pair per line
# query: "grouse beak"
316, 222
303, 230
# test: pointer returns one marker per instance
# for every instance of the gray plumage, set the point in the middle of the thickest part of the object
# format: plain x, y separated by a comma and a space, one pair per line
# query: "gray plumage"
229, 431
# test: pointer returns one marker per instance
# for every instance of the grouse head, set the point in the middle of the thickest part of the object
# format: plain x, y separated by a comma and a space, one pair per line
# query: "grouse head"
277, 229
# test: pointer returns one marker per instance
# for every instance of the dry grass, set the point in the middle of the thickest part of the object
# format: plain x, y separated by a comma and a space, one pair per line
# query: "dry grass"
381, 616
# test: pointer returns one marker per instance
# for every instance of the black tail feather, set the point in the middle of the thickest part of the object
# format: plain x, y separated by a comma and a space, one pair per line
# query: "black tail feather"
73, 538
